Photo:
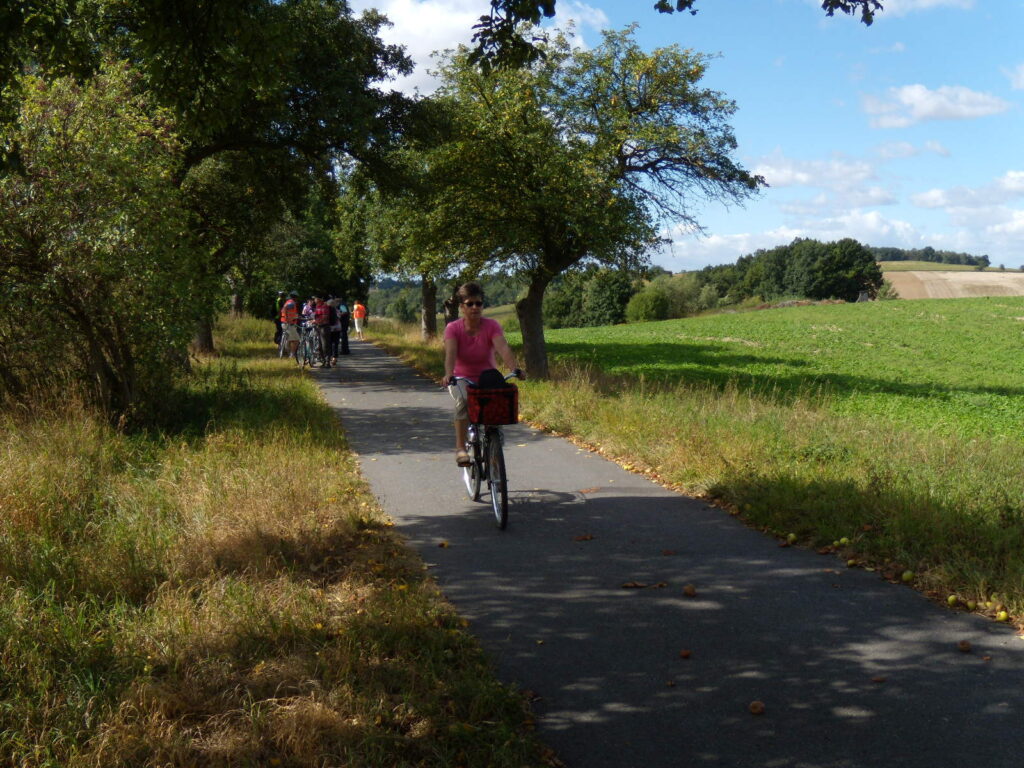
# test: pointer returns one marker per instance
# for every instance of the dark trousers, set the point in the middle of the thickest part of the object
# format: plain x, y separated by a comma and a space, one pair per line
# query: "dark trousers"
344, 339
325, 342
335, 340
277, 330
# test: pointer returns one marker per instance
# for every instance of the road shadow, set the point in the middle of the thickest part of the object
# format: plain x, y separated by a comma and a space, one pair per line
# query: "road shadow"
594, 620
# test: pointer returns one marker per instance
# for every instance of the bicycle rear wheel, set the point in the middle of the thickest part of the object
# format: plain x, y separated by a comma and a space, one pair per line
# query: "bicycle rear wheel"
472, 475
496, 480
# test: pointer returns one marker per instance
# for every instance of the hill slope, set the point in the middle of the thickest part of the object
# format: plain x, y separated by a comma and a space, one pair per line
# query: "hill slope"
960, 284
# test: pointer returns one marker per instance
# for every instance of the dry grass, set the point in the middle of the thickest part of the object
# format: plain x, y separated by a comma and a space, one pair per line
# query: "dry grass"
224, 591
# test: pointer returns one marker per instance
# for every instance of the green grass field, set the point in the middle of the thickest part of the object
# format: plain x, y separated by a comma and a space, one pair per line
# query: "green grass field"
953, 367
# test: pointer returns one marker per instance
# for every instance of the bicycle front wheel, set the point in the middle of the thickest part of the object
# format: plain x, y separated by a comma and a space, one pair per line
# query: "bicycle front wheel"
307, 351
496, 480
471, 475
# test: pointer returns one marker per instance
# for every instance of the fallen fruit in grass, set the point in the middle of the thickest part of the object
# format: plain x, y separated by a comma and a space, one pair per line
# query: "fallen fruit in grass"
690, 591
1002, 616
907, 576
835, 543
757, 707
791, 538
952, 600
851, 563
844, 541
964, 646
971, 605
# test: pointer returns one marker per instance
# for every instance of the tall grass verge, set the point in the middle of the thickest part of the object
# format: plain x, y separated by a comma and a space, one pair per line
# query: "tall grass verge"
949, 508
223, 590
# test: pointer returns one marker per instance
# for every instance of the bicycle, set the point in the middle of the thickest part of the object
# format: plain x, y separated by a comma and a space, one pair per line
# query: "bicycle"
488, 410
310, 347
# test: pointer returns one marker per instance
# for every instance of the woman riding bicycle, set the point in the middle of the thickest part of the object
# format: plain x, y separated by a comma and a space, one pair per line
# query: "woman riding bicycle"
469, 346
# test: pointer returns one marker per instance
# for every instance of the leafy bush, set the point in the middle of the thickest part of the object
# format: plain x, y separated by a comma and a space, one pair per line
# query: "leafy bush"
93, 240
650, 304
590, 297
709, 298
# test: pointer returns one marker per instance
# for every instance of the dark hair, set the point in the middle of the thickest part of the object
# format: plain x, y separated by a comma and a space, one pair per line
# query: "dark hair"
469, 291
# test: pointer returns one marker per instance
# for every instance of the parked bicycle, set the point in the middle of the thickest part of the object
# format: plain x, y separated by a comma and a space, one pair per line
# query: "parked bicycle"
489, 408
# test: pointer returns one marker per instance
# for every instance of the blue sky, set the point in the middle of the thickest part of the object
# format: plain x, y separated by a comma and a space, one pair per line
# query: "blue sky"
906, 133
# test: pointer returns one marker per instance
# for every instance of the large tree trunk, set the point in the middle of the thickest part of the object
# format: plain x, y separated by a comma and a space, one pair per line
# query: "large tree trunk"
530, 310
428, 308
203, 341
236, 304
451, 307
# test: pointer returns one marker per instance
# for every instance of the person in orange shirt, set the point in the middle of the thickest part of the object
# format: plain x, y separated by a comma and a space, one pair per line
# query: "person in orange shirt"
359, 314
290, 324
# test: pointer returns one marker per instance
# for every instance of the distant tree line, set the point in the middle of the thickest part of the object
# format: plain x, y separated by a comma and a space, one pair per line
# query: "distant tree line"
804, 269
928, 254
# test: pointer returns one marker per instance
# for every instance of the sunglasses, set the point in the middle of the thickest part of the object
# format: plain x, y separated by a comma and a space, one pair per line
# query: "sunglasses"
473, 303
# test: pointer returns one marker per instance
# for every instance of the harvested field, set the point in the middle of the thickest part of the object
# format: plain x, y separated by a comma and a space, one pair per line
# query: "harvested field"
955, 285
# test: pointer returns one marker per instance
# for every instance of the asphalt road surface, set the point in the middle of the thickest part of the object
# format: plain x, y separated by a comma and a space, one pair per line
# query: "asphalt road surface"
853, 671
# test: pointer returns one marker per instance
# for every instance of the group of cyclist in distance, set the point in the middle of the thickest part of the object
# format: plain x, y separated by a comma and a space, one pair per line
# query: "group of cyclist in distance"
326, 321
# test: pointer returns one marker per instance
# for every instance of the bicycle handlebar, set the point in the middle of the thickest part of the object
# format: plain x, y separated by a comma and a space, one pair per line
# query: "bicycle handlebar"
516, 374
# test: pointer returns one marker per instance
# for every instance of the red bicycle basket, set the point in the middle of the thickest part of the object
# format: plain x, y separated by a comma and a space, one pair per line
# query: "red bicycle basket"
493, 406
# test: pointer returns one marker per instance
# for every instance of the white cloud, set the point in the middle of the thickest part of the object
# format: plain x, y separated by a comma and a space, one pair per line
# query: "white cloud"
1016, 76
687, 252
1014, 227
910, 104
865, 226
1006, 188
423, 27
428, 26
933, 198
838, 172
898, 150
895, 150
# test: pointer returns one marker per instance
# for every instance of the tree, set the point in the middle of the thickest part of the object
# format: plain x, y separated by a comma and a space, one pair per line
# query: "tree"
502, 42
277, 91
579, 158
95, 240
844, 269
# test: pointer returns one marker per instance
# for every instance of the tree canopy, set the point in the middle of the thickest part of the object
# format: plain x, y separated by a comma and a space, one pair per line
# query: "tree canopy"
265, 97
578, 158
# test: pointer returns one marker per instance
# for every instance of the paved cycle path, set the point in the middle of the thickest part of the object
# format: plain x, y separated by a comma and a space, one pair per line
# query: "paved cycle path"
854, 671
